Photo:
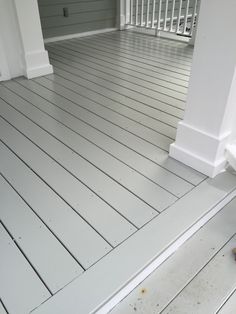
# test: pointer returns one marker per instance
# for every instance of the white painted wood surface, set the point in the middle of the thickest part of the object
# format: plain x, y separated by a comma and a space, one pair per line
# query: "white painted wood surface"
21, 289
157, 291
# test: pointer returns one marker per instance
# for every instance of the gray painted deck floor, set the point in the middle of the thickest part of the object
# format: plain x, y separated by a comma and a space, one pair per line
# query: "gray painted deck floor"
85, 173
199, 278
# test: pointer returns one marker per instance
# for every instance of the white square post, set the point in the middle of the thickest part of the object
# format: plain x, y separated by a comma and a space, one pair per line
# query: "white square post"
210, 116
35, 56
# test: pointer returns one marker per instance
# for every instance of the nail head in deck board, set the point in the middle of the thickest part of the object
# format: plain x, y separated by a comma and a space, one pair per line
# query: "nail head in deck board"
209, 289
164, 284
164, 178
151, 240
51, 260
109, 126
18, 281
137, 202
68, 226
83, 200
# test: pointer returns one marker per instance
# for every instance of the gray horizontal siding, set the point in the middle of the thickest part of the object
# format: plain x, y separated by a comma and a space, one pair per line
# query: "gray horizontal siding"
83, 16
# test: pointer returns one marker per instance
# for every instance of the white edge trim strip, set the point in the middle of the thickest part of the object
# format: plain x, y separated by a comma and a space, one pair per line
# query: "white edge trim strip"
162, 257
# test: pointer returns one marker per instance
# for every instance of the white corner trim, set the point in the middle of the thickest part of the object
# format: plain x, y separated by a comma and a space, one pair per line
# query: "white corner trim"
197, 162
37, 64
200, 150
78, 35
231, 155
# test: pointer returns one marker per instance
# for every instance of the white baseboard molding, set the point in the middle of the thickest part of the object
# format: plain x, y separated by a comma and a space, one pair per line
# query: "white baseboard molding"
200, 150
78, 35
105, 284
37, 64
231, 155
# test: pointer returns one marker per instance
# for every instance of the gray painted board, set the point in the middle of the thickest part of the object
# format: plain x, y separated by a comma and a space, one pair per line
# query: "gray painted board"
120, 131
61, 219
173, 69
156, 174
159, 59
2, 309
92, 92
109, 59
83, 200
119, 72
18, 281
139, 250
138, 62
89, 159
51, 260
122, 81
165, 283
211, 287
230, 305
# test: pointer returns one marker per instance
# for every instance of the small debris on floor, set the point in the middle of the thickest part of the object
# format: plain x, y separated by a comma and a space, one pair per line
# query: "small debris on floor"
234, 252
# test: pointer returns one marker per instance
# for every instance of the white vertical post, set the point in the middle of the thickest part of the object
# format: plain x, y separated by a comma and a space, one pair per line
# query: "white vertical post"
193, 16
179, 16
186, 17
142, 5
159, 16
205, 132
35, 55
131, 12
165, 16
153, 12
136, 13
172, 15
147, 16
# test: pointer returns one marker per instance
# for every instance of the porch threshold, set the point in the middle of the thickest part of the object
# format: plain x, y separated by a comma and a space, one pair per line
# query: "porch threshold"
106, 283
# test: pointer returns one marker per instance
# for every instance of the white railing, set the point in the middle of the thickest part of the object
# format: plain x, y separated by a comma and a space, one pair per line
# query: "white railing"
174, 16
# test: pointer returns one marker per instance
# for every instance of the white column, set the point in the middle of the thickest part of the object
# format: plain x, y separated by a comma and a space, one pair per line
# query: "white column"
123, 13
34, 54
210, 114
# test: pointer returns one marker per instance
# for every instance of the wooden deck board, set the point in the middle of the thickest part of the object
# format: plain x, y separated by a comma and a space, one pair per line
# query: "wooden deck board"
21, 289
60, 218
85, 150
156, 174
72, 190
179, 270
139, 251
29, 233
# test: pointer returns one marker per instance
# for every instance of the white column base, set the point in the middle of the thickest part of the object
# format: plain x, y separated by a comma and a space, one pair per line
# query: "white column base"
200, 150
37, 64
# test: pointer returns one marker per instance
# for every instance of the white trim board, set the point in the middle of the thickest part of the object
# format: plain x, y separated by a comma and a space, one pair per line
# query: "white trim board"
100, 288
78, 35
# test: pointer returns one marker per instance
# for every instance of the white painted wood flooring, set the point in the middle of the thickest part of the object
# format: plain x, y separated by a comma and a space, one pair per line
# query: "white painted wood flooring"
85, 173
